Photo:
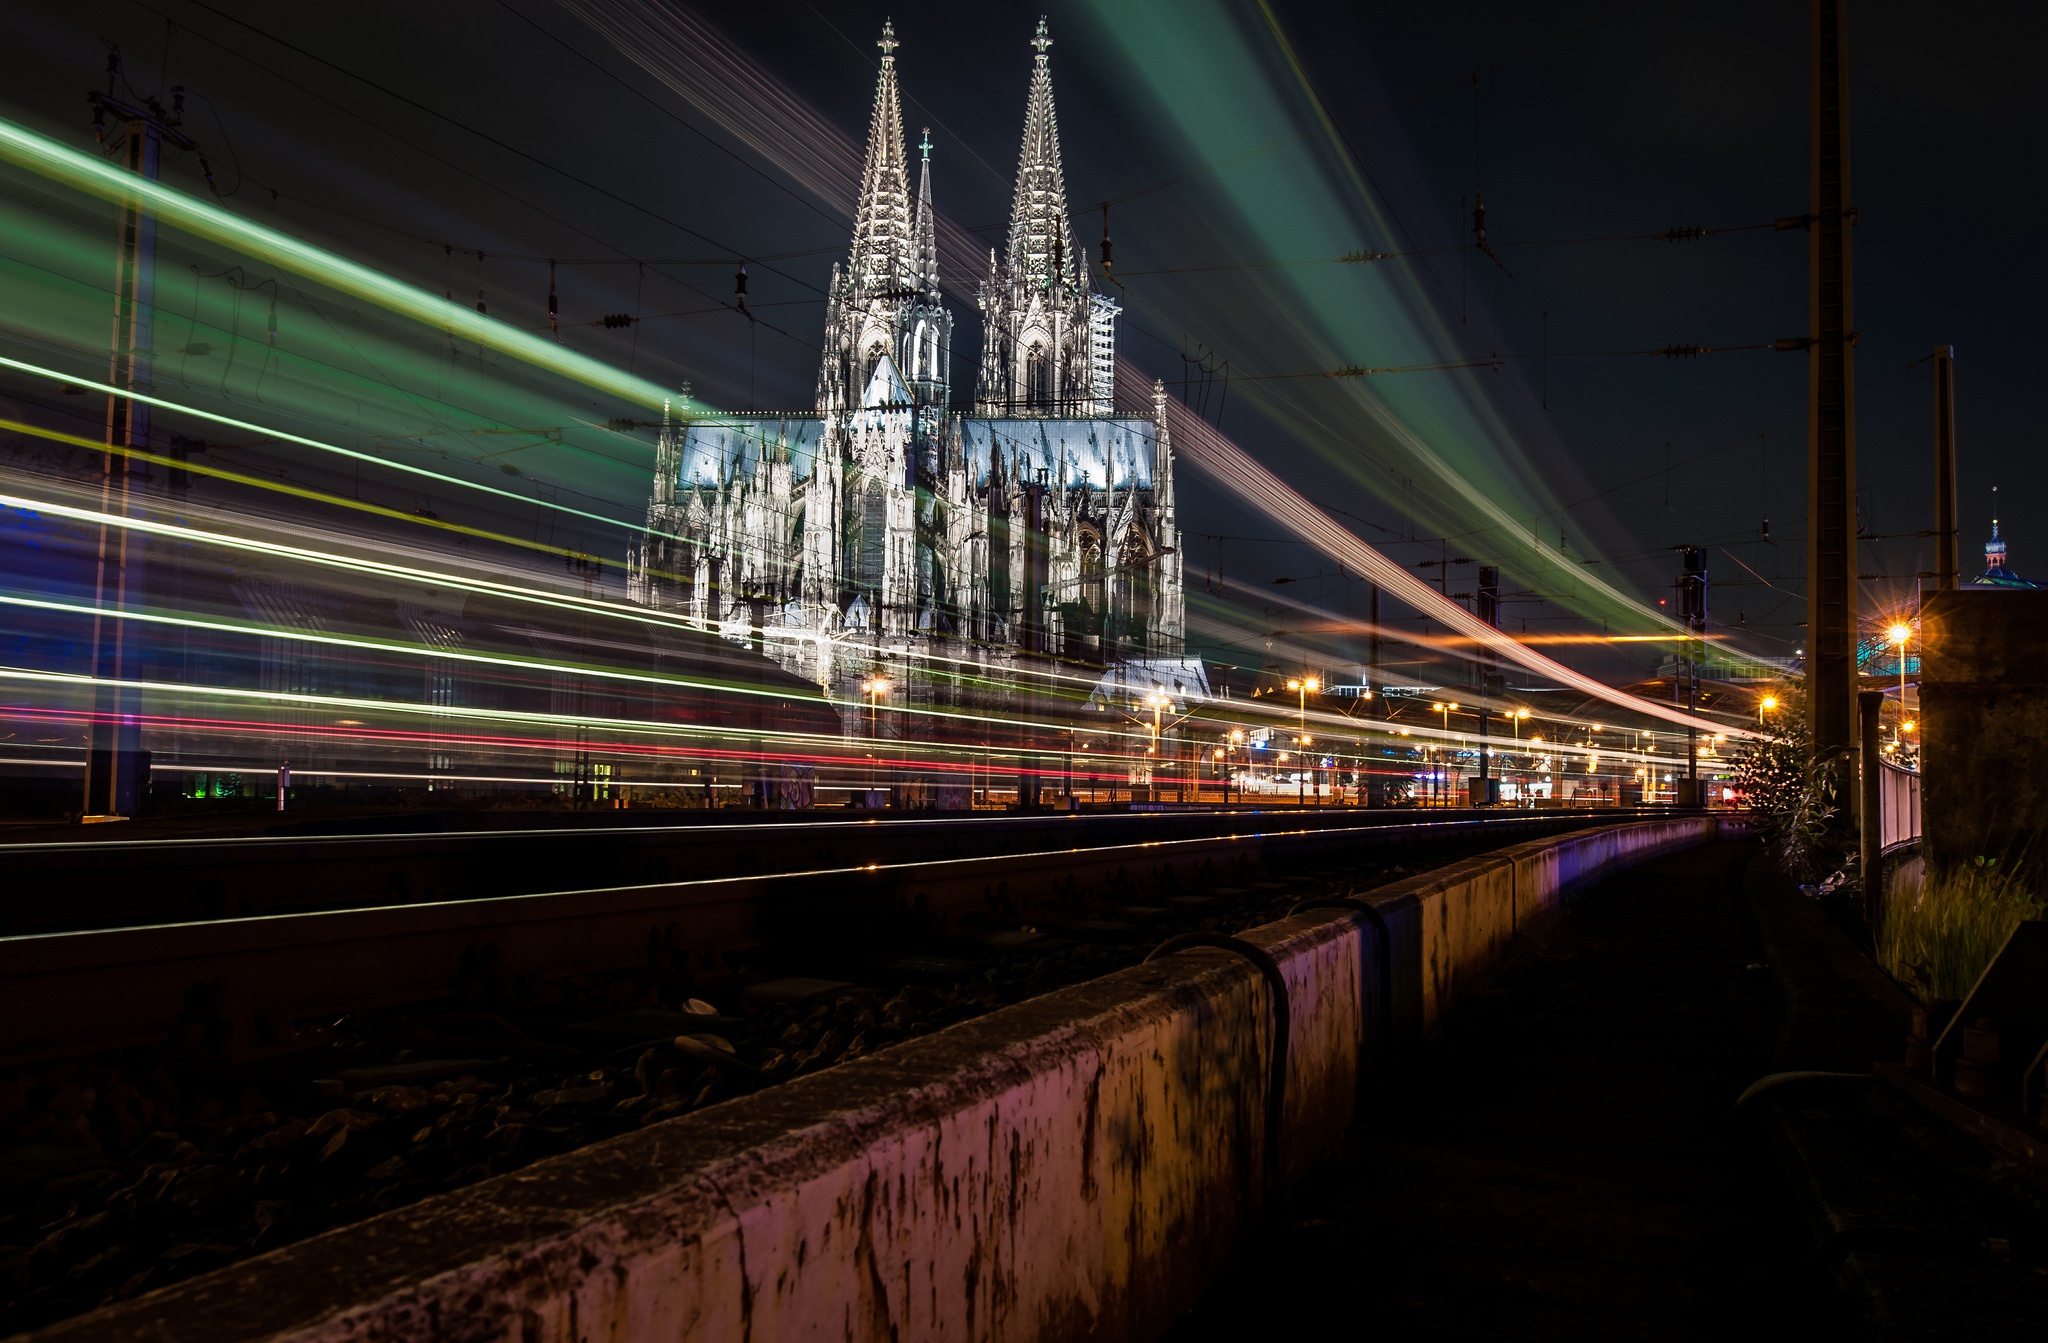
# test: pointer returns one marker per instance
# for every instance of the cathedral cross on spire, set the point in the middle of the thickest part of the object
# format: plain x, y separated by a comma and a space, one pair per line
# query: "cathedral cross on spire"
1041, 42
926, 144
888, 44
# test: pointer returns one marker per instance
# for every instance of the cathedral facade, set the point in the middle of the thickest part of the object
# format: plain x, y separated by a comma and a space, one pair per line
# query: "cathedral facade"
1036, 528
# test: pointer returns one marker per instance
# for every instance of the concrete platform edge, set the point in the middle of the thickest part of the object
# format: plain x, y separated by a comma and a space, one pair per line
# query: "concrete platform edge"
1075, 1166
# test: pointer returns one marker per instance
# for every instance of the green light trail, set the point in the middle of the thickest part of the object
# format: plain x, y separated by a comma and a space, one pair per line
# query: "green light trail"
116, 186
1228, 86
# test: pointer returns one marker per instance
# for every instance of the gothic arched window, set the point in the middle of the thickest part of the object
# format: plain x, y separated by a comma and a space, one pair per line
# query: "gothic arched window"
917, 352
1037, 377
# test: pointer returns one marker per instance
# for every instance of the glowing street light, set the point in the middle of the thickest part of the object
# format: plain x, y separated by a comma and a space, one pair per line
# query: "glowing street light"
1302, 687
1898, 634
874, 688
1446, 710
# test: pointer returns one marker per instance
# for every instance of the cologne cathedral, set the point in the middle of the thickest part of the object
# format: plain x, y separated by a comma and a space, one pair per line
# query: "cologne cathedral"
886, 532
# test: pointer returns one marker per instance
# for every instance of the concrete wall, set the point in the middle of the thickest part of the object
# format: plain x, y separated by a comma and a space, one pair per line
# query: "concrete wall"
1077, 1166
1983, 724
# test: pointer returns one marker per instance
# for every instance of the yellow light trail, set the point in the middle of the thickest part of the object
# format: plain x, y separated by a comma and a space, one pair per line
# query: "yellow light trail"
280, 487
286, 436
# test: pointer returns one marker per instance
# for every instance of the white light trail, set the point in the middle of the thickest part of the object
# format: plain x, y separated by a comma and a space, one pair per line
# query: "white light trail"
1279, 501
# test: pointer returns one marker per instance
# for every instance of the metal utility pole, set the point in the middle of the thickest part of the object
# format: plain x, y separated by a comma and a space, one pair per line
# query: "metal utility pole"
1831, 419
1692, 601
1947, 564
115, 764
1370, 791
1870, 803
1486, 605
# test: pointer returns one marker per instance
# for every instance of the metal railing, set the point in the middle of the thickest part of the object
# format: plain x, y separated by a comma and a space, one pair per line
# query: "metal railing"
1898, 813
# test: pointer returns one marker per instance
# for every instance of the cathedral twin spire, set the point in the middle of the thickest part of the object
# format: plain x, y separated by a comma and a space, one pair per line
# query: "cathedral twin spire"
1048, 341
888, 246
895, 238
1041, 247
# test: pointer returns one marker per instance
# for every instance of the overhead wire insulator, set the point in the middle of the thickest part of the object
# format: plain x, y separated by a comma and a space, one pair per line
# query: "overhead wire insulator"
554, 309
1355, 258
613, 321
1689, 234
1793, 343
1685, 351
739, 288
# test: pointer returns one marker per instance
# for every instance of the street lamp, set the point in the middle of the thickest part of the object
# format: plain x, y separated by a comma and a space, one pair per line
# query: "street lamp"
1236, 740
1518, 715
1301, 687
1158, 700
1300, 782
1768, 704
1898, 634
1305, 687
1443, 791
874, 688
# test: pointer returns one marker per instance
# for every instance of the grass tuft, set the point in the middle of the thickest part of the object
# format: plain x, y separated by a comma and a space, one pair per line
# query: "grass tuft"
1938, 939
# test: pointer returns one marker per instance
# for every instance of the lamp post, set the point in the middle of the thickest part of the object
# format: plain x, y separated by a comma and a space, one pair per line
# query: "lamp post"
1158, 701
1304, 687
1443, 791
1300, 775
1898, 634
1765, 705
1518, 715
1236, 741
874, 688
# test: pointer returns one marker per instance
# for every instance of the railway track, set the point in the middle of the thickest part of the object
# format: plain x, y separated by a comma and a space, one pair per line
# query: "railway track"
69, 885
247, 979
217, 1089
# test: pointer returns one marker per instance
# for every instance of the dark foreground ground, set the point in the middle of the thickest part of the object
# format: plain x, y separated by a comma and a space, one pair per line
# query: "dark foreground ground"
128, 1172
1564, 1161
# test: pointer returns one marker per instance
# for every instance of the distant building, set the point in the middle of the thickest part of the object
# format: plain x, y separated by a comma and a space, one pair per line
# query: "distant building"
885, 523
1997, 573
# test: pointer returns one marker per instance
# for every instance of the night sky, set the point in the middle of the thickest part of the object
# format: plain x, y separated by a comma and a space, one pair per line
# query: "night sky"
1586, 121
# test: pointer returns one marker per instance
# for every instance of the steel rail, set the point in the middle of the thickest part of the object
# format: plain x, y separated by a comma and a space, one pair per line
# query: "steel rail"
250, 978
107, 882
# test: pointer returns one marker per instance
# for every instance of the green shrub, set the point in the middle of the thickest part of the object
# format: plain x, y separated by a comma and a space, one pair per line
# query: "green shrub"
1937, 940
1792, 800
